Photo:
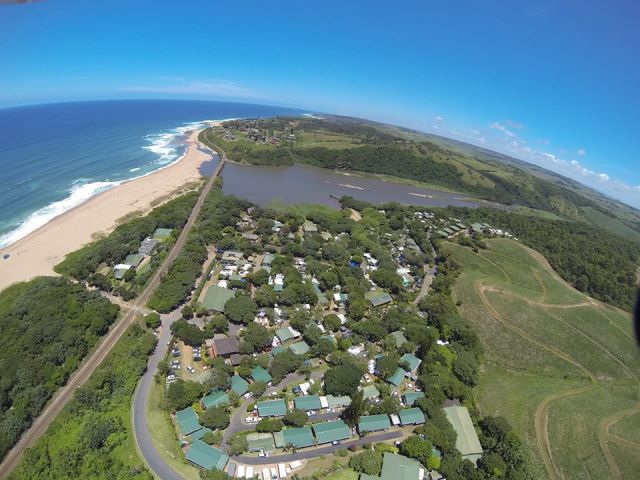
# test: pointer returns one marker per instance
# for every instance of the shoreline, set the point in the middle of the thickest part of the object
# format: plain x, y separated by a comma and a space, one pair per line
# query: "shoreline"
38, 252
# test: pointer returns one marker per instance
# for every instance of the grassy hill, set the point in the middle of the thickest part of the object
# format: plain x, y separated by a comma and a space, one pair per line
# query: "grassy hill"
562, 367
354, 144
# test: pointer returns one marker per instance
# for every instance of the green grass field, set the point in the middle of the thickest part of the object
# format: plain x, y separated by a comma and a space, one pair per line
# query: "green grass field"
560, 366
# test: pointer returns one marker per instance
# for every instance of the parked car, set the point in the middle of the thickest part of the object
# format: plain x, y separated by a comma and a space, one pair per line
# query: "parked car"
191, 369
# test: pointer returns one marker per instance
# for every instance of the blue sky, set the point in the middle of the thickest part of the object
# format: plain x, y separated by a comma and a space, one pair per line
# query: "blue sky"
556, 83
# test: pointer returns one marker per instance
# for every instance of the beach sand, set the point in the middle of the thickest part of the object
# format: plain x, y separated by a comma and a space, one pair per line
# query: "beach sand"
37, 253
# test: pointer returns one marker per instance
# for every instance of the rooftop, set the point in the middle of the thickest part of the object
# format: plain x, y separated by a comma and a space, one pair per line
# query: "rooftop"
216, 297
413, 361
411, 416
399, 338
369, 392
298, 437
397, 377
205, 456
239, 385
410, 398
398, 467
299, 348
327, 432
467, 442
215, 398
260, 441
373, 423
378, 297
285, 333
187, 421
259, 374
272, 408
225, 346
309, 402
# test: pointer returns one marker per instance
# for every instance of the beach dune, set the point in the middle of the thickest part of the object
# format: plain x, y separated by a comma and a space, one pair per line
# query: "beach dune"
37, 253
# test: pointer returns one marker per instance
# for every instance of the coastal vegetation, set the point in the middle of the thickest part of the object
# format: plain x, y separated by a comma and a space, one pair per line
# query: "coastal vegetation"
92, 437
47, 326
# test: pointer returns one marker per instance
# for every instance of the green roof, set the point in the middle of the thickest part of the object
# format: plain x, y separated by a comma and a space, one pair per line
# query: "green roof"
411, 416
239, 385
322, 300
298, 437
272, 408
327, 432
413, 361
309, 402
268, 259
198, 434
215, 398
260, 441
378, 297
410, 398
278, 439
285, 333
162, 233
259, 374
216, 297
338, 401
278, 350
398, 467
369, 392
373, 423
206, 456
299, 348
188, 421
133, 259
467, 442
399, 338
397, 377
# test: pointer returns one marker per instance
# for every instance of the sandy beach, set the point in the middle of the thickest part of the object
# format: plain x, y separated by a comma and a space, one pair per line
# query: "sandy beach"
37, 253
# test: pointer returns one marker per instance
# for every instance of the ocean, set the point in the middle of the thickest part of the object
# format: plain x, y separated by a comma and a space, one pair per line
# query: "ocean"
54, 157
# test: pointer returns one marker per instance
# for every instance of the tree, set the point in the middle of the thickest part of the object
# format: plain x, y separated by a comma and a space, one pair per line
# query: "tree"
415, 447
183, 393
212, 438
269, 425
283, 364
331, 322
214, 475
152, 320
187, 311
265, 296
216, 418
368, 462
387, 364
342, 380
257, 388
256, 338
188, 333
492, 464
295, 418
259, 278
356, 308
238, 444
355, 409
241, 309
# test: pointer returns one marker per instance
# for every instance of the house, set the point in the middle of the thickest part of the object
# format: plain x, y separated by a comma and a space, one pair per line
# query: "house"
147, 246
327, 432
411, 416
299, 348
298, 437
378, 297
330, 401
216, 298
410, 398
307, 403
215, 399
257, 442
272, 408
370, 392
399, 467
133, 260
399, 338
268, 259
236, 359
188, 421
119, 271
467, 442
373, 423
231, 257
224, 347
239, 385
397, 377
286, 333
206, 456
309, 227
259, 374
162, 234
410, 359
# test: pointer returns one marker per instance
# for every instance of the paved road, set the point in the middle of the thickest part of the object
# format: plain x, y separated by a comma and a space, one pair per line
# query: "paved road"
65, 393
429, 273
316, 452
140, 400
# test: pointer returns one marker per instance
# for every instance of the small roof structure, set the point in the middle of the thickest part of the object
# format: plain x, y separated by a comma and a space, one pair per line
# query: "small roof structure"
147, 246
467, 442
198, 434
410, 398
338, 401
133, 259
306, 403
239, 385
477, 227
278, 439
328, 432
413, 361
268, 259
378, 298
206, 456
300, 348
411, 416
225, 346
216, 297
259, 374
236, 359
397, 377
162, 233
398, 337
231, 256
272, 408
260, 441
399, 467
285, 333
370, 392
187, 421
120, 270
373, 423
309, 227
298, 437
277, 350
214, 399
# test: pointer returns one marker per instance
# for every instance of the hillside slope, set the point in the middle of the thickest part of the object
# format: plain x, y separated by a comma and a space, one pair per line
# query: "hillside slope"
562, 367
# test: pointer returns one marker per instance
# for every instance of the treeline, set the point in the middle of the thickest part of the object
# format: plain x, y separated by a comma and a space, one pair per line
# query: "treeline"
92, 437
593, 260
219, 211
126, 238
47, 326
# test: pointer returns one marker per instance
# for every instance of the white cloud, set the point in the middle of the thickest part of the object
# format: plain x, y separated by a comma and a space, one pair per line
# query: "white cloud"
439, 118
212, 88
516, 125
604, 176
503, 129
582, 152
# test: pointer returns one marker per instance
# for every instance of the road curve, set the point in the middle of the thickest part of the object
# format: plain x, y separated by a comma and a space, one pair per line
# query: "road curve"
77, 379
